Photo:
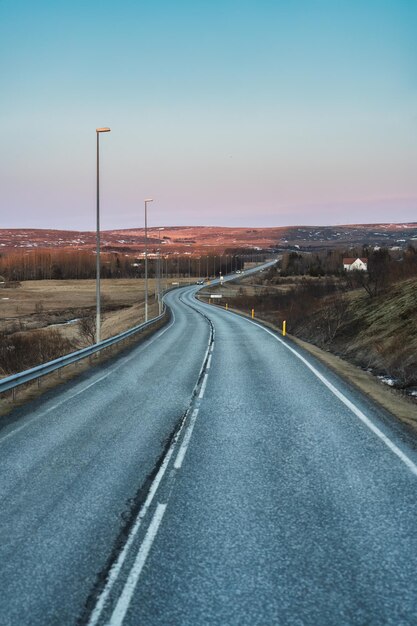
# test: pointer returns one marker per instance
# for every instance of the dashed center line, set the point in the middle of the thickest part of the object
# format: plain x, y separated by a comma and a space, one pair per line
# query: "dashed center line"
125, 597
186, 441
203, 387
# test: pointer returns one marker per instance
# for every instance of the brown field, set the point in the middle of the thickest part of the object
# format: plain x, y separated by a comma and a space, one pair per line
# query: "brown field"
54, 303
257, 285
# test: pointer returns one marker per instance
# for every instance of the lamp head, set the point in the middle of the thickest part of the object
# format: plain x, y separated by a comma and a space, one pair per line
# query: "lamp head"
102, 130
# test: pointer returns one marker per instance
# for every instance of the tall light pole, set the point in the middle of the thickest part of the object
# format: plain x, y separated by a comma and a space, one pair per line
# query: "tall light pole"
146, 257
98, 307
159, 271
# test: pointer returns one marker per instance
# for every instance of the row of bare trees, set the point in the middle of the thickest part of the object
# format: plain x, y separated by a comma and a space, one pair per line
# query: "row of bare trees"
384, 270
43, 264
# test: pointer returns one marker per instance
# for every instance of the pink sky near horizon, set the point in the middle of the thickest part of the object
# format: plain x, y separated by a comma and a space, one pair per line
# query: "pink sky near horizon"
227, 113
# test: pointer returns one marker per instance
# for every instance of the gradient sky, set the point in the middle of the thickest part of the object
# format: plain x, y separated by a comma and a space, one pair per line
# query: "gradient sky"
231, 112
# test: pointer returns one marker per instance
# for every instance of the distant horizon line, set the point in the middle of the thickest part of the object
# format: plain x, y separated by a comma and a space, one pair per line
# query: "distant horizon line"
153, 227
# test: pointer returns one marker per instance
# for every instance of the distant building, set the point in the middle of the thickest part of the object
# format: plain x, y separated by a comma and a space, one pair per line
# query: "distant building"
350, 264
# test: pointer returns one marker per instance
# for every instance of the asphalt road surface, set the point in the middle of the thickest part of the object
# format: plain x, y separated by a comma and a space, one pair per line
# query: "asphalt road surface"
213, 475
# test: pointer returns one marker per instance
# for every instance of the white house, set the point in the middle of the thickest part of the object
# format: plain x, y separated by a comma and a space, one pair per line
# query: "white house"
350, 264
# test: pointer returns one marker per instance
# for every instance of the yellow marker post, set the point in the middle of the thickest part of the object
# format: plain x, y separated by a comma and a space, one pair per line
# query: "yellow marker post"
253, 313
284, 328
227, 306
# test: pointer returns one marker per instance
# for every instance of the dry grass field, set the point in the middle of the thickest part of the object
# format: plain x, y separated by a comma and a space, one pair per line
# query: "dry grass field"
60, 303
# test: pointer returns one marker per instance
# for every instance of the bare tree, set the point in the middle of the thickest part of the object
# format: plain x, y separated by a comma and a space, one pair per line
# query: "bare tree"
87, 328
378, 276
334, 317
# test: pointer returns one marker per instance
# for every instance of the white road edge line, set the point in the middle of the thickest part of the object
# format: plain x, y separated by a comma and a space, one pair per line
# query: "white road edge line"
183, 449
34, 419
203, 387
209, 362
355, 410
123, 602
52, 408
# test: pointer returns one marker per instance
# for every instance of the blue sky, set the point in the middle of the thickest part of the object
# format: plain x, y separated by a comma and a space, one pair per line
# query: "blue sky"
227, 113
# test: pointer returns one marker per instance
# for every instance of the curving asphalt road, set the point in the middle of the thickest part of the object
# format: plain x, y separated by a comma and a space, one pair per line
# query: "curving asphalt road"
213, 475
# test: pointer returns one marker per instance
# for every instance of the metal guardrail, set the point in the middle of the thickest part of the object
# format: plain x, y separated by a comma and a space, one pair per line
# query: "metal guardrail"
11, 382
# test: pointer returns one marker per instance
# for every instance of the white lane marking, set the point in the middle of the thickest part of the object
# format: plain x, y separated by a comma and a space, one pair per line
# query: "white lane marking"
203, 387
117, 566
186, 441
355, 410
74, 395
209, 362
123, 602
204, 360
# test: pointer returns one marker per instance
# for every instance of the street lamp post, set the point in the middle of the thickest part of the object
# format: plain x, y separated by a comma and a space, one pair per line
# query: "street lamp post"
146, 257
98, 302
159, 272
